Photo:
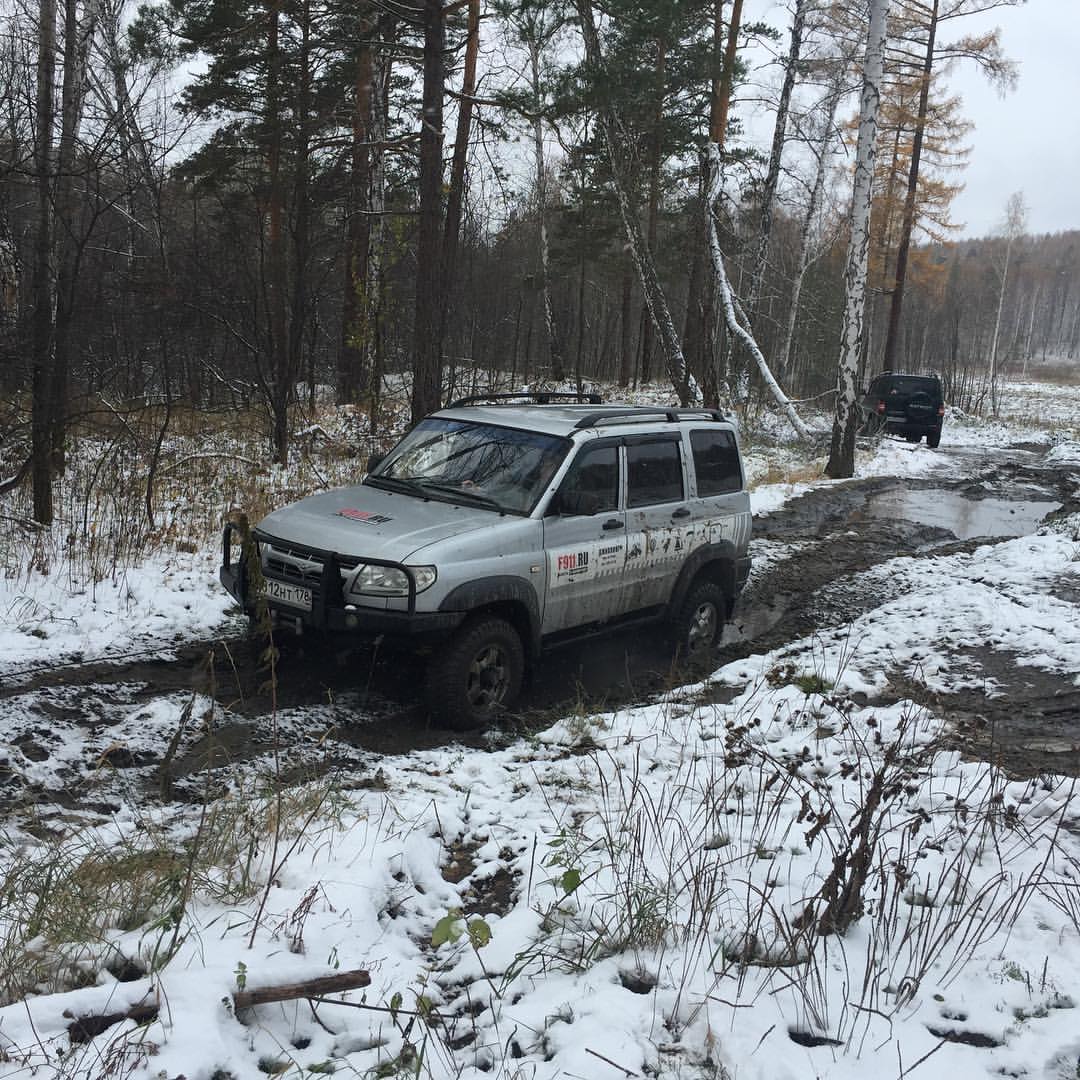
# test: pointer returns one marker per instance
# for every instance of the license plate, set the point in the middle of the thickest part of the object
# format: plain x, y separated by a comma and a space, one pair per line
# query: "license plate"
293, 595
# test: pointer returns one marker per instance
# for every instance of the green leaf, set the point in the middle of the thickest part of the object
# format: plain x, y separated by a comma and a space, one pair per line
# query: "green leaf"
446, 929
570, 881
479, 933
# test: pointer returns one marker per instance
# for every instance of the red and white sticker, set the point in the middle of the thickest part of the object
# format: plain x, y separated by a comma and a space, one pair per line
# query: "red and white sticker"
363, 517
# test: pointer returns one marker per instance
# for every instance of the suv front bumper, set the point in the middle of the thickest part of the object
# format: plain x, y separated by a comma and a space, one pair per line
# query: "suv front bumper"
329, 610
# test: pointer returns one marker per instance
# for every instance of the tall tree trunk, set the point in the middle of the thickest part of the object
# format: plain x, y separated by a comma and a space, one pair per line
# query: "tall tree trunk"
384, 66
78, 33
555, 362
841, 461
712, 167
301, 202
355, 346
42, 280
281, 388
805, 254
655, 161
772, 175
455, 197
907, 224
626, 356
427, 349
615, 139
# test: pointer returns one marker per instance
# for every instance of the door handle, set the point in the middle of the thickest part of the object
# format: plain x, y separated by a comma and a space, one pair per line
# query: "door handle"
612, 523
682, 512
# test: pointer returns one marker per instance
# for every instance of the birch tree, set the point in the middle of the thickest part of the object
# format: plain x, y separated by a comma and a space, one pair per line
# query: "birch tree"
841, 461
734, 317
772, 174
1015, 223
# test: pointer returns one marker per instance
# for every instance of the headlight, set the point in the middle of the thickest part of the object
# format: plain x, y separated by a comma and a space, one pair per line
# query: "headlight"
386, 581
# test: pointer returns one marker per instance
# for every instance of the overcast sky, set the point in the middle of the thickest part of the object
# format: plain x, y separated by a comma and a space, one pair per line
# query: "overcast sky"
1028, 140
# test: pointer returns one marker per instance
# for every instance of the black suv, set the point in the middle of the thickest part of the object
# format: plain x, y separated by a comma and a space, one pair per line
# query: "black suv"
908, 405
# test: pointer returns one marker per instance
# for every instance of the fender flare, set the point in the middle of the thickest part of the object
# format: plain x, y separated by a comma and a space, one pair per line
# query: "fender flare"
499, 589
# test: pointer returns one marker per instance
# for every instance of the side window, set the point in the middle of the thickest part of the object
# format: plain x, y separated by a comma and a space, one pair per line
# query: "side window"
653, 473
716, 462
596, 472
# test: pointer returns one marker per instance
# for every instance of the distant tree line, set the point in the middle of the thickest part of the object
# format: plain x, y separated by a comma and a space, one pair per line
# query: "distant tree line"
222, 203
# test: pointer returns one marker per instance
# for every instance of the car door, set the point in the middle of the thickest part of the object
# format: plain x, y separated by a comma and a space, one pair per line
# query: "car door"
585, 541
658, 520
720, 509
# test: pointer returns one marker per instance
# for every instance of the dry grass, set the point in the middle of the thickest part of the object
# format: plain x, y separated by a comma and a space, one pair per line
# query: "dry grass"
64, 905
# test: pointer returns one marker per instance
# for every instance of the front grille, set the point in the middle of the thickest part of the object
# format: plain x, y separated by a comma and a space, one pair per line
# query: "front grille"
278, 564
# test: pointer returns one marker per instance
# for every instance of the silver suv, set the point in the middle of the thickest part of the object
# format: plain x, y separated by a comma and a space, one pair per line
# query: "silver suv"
501, 525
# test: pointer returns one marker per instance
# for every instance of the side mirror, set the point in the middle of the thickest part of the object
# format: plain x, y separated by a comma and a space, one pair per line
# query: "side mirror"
375, 461
577, 503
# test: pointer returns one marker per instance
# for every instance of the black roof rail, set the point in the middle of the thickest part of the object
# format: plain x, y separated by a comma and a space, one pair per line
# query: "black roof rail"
537, 397
643, 413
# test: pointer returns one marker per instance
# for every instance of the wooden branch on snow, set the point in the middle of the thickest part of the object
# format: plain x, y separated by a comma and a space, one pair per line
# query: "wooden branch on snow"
327, 984
84, 1028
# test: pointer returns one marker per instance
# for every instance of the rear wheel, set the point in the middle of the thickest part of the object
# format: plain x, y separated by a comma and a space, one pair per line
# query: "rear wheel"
696, 627
933, 439
477, 675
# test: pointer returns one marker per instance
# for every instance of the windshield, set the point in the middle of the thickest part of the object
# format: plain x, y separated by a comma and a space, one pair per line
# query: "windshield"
500, 468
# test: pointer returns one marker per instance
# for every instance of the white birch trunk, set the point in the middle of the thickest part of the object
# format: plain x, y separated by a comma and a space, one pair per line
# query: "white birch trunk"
554, 355
732, 310
842, 453
806, 255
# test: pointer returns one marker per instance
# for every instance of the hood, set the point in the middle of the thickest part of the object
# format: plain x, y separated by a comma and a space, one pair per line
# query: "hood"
368, 521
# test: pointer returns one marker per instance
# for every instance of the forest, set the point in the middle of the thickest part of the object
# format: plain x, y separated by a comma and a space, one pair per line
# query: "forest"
236, 205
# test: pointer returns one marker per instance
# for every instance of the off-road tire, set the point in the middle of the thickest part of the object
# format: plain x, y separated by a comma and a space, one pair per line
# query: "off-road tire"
476, 675
933, 439
695, 628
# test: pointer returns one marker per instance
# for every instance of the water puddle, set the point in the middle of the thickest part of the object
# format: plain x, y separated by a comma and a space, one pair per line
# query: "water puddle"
964, 517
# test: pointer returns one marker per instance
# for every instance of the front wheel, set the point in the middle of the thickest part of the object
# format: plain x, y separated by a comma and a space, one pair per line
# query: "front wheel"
696, 626
476, 675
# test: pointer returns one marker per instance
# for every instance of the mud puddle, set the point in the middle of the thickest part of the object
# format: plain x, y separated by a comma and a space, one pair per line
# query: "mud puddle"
954, 512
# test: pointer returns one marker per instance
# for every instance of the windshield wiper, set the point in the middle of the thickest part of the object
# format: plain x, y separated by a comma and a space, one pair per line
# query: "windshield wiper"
414, 485
461, 493
395, 483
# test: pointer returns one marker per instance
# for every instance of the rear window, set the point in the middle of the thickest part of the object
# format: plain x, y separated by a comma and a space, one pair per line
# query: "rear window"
716, 462
909, 384
654, 473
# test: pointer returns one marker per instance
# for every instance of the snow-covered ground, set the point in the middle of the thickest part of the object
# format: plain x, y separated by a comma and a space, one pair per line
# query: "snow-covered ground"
656, 891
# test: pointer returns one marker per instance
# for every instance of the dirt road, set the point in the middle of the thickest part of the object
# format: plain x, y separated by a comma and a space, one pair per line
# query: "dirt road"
82, 737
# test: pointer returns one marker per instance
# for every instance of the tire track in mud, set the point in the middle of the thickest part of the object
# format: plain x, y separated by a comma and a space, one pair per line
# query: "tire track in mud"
86, 735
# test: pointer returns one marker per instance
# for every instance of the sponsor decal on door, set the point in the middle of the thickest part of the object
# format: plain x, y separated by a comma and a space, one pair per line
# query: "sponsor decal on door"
584, 562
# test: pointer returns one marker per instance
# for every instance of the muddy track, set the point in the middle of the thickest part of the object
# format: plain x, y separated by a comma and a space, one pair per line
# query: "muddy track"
343, 708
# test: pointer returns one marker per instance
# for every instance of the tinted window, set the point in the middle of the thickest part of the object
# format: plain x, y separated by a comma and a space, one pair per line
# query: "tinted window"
596, 472
907, 385
716, 462
654, 474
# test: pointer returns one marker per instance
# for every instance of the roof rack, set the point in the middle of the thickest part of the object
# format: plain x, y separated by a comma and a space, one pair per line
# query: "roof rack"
629, 414
537, 397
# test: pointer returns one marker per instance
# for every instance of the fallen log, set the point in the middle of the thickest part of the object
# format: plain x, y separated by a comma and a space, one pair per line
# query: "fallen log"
84, 1028
327, 984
